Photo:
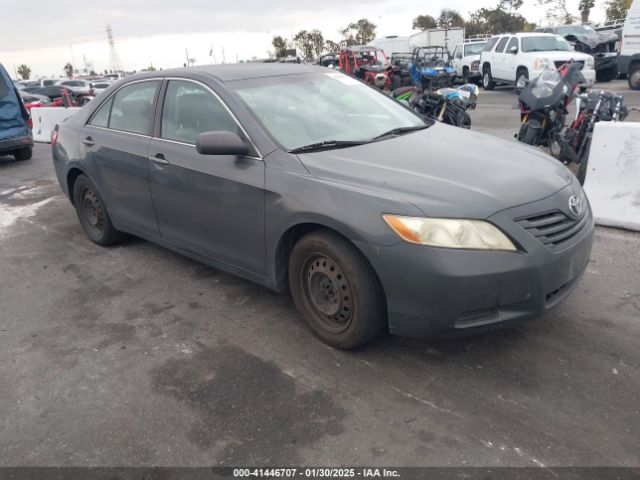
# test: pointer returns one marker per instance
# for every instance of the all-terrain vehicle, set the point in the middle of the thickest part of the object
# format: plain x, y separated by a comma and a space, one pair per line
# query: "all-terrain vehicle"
401, 63
369, 64
431, 68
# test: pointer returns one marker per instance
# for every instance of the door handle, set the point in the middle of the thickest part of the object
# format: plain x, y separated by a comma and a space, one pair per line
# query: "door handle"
159, 159
88, 141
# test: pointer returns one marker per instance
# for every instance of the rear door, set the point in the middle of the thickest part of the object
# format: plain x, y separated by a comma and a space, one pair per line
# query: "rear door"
116, 139
209, 204
499, 65
511, 60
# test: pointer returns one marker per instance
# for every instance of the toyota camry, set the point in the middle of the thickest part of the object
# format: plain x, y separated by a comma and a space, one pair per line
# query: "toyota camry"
306, 180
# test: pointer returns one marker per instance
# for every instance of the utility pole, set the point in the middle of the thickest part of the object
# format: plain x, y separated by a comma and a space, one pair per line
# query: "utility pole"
114, 59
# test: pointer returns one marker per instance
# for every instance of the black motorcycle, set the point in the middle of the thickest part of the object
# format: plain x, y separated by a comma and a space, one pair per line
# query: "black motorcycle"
544, 104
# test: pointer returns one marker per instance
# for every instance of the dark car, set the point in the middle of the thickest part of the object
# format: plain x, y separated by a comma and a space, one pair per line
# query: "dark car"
16, 137
602, 46
308, 180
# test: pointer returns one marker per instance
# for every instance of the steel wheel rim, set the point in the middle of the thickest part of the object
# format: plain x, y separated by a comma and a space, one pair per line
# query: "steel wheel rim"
521, 82
328, 292
92, 210
485, 79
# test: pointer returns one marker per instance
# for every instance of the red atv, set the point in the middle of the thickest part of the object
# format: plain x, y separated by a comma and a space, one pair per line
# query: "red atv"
369, 64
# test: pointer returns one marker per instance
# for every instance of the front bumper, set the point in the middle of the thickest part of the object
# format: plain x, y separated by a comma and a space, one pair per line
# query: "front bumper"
434, 292
16, 143
605, 61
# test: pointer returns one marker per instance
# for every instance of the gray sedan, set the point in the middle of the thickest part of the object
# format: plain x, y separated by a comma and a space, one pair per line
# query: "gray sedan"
307, 180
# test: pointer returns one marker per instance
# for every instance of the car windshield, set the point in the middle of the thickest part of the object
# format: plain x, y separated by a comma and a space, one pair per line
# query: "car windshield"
301, 110
474, 49
550, 43
576, 30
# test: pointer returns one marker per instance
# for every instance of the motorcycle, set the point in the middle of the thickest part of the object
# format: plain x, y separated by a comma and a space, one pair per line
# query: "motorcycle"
447, 105
595, 106
544, 104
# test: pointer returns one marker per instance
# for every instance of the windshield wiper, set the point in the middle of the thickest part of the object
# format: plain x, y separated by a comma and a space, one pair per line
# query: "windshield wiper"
400, 131
328, 145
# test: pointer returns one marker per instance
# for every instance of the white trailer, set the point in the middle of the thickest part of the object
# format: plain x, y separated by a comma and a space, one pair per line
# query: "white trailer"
392, 44
438, 37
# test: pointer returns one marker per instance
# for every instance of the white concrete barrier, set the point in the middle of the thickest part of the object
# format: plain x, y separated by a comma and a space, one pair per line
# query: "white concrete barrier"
613, 176
46, 118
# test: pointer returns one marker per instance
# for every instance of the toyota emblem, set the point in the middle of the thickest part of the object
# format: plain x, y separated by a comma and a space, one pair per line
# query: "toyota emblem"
575, 206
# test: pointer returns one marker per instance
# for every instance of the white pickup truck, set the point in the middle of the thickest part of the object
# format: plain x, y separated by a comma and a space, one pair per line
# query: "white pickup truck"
466, 60
515, 58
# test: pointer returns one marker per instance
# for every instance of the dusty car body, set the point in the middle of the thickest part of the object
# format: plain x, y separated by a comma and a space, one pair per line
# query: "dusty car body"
602, 46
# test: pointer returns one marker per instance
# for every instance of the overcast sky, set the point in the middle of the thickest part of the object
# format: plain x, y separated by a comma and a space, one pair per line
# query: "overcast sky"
159, 32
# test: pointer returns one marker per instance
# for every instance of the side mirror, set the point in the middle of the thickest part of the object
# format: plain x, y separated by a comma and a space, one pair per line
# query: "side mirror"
221, 143
513, 50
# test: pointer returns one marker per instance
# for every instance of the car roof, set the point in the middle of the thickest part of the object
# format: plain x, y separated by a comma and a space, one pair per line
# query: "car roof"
240, 71
527, 34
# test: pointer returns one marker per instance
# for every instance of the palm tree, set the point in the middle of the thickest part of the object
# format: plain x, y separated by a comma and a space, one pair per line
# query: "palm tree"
24, 71
68, 68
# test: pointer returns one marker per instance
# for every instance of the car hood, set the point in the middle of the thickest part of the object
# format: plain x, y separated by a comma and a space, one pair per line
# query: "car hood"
445, 171
593, 41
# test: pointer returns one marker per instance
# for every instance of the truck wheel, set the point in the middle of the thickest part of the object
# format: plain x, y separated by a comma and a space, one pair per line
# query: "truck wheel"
607, 75
23, 153
634, 76
336, 291
487, 79
465, 75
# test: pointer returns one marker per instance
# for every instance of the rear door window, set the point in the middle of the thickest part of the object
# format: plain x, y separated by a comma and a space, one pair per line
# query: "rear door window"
501, 44
512, 43
190, 109
132, 107
101, 117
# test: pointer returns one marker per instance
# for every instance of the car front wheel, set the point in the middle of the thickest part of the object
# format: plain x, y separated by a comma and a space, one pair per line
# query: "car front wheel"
634, 77
23, 154
336, 291
92, 213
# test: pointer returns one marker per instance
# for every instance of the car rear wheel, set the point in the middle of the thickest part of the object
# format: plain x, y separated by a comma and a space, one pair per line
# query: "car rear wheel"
23, 153
336, 291
92, 213
634, 77
487, 79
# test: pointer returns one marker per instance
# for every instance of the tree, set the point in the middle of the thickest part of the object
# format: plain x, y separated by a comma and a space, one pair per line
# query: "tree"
424, 22
585, 7
617, 9
359, 33
510, 5
331, 46
450, 18
68, 69
557, 11
150, 68
24, 71
311, 44
281, 46
497, 20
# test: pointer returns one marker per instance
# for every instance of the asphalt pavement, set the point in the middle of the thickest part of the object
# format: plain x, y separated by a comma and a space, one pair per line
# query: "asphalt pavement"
134, 355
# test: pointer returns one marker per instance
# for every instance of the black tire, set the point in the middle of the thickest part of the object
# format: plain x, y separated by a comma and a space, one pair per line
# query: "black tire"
607, 75
581, 173
634, 76
466, 121
396, 82
336, 291
465, 75
23, 154
487, 79
527, 134
92, 213
522, 77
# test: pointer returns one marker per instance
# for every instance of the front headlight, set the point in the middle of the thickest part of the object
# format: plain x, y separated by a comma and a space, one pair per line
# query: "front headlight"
450, 233
543, 64
590, 63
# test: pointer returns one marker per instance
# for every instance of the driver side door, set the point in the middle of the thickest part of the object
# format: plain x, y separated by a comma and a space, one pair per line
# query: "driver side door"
212, 205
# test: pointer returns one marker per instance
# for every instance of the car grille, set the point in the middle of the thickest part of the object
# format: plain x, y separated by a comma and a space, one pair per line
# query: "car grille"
561, 63
554, 229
